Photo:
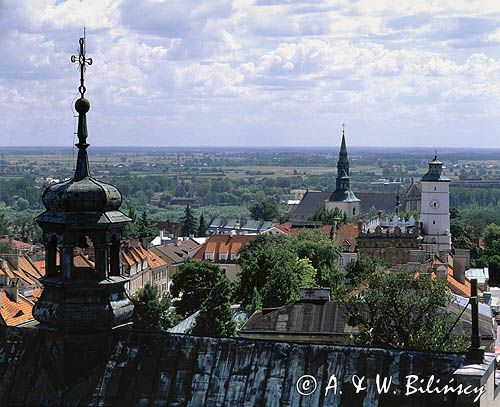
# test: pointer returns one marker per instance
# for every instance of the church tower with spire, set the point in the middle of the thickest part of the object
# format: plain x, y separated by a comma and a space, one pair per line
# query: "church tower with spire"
435, 208
82, 213
343, 197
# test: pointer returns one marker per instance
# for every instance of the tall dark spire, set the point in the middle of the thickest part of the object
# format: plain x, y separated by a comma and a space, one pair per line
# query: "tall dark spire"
82, 106
343, 165
343, 191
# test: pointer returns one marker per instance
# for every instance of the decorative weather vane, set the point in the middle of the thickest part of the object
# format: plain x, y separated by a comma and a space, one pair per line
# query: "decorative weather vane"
82, 61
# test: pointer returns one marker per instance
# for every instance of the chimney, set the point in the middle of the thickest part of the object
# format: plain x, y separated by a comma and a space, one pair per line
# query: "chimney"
441, 271
12, 291
476, 351
461, 261
145, 243
443, 256
314, 294
13, 259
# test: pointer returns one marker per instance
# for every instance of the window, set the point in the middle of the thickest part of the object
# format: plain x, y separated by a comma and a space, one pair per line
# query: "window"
433, 222
223, 256
209, 256
354, 211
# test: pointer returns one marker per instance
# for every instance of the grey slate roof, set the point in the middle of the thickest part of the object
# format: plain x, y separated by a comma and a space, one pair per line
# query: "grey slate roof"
300, 317
380, 201
151, 368
308, 205
311, 200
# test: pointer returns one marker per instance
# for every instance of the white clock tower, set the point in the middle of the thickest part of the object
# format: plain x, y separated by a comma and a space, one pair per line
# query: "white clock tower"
435, 209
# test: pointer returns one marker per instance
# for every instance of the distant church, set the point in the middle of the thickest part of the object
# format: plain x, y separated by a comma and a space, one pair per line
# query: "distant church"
343, 197
346, 200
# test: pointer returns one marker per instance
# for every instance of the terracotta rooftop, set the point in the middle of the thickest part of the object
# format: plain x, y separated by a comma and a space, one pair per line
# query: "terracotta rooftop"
15, 313
26, 270
217, 244
16, 244
347, 234
80, 260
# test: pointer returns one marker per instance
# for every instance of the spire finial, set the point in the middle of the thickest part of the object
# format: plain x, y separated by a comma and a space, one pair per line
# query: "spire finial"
83, 62
82, 106
343, 129
435, 154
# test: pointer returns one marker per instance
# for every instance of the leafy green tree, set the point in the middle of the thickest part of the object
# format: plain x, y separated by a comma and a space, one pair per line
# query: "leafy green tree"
4, 225
462, 234
361, 269
215, 317
491, 256
283, 284
395, 309
329, 216
202, 226
256, 302
274, 268
145, 228
26, 229
131, 228
264, 211
188, 222
257, 260
6, 248
491, 235
192, 283
22, 204
151, 311
323, 254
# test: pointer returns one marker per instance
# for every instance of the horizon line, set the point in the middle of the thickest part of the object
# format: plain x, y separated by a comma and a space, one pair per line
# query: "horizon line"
253, 147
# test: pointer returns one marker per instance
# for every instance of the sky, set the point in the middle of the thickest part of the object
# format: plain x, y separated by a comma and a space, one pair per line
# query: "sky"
253, 73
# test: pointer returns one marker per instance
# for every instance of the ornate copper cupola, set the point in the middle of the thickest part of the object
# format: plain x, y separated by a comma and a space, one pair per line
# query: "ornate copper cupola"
82, 213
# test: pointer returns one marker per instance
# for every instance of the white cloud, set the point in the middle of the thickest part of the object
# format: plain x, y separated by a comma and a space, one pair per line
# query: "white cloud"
185, 72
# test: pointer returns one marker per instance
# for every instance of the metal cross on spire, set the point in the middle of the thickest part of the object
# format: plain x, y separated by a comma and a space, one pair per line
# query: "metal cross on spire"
82, 61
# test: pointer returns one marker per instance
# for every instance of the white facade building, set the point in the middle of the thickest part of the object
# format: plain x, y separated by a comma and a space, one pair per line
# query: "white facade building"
435, 209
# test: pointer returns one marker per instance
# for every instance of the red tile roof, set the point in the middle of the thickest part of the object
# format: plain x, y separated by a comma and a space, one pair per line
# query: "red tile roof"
16, 244
347, 235
216, 244
27, 271
15, 313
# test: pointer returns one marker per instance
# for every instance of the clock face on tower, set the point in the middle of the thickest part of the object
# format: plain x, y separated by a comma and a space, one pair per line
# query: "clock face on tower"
434, 203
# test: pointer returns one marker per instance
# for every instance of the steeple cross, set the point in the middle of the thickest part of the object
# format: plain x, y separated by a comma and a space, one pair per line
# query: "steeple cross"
82, 61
